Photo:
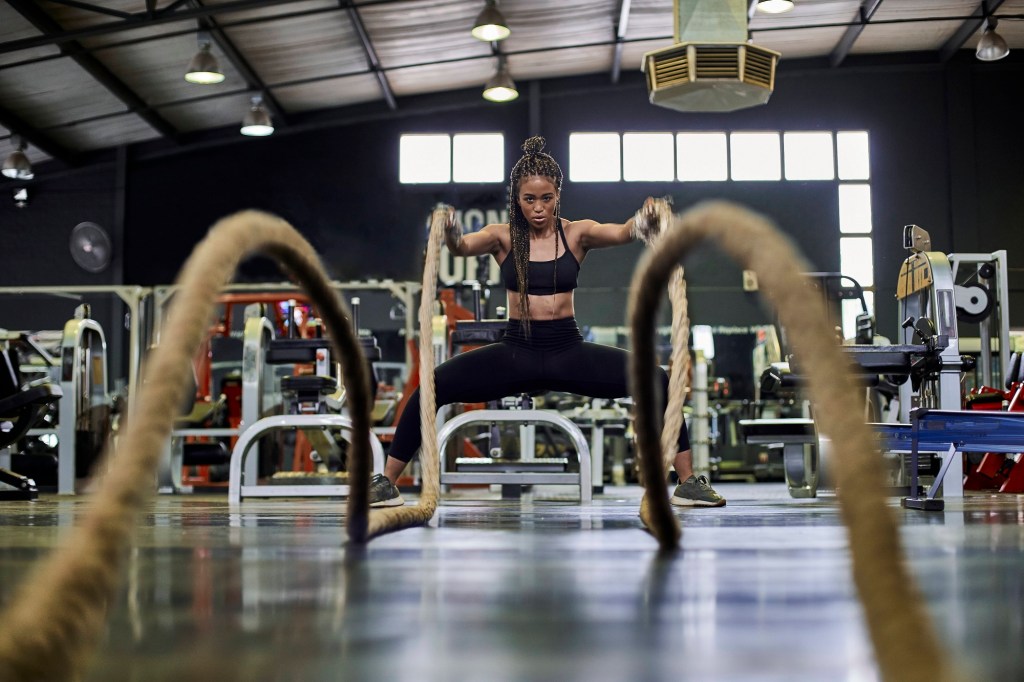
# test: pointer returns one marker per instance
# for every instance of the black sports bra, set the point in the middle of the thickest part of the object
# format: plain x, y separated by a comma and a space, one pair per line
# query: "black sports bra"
562, 273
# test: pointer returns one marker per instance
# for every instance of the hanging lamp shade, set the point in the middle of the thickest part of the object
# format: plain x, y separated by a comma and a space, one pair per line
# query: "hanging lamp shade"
490, 25
774, 6
501, 87
991, 46
17, 165
256, 122
204, 69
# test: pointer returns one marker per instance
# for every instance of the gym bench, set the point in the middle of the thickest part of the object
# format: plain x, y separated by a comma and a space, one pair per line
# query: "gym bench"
952, 432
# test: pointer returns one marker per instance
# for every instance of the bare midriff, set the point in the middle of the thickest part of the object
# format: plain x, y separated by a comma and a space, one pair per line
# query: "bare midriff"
552, 307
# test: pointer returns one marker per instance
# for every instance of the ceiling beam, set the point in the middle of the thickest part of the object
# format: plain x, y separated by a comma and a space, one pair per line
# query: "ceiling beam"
169, 9
236, 92
139, 20
241, 64
94, 67
174, 33
967, 29
842, 49
621, 27
46, 144
371, 54
90, 7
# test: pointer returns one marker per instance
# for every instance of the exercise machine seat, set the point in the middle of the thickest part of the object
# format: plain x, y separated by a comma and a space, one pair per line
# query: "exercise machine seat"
478, 332
21, 407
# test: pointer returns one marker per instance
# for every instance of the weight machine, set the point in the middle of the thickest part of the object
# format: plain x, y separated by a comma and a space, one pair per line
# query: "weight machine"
926, 367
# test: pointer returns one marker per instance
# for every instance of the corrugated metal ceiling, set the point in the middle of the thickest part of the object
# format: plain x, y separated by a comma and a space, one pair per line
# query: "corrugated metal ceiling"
79, 77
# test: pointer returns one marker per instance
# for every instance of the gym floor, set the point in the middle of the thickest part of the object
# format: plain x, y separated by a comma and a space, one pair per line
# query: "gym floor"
530, 590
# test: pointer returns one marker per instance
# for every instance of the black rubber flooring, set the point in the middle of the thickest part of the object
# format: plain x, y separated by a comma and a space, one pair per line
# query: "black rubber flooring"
530, 590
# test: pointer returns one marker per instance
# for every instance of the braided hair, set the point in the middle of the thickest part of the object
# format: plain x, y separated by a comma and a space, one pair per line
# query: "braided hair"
533, 162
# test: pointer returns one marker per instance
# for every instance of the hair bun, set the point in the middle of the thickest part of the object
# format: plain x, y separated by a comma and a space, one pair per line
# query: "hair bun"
534, 145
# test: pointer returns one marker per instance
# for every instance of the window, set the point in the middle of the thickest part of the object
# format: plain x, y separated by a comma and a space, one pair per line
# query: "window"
755, 156
852, 151
424, 158
855, 209
648, 156
594, 157
465, 157
478, 157
855, 259
809, 156
855, 221
702, 156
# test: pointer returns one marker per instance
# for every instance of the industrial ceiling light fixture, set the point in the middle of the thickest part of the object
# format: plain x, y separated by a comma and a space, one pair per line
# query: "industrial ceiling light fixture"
712, 66
501, 87
774, 6
17, 164
256, 122
991, 46
204, 69
490, 25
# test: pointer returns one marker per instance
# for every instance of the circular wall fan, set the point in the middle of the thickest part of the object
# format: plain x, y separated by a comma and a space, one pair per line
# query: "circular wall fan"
90, 247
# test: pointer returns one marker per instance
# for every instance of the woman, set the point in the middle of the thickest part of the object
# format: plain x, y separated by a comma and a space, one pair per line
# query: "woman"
540, 254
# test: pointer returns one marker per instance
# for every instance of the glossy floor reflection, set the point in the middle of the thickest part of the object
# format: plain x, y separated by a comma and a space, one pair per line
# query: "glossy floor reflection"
530, 590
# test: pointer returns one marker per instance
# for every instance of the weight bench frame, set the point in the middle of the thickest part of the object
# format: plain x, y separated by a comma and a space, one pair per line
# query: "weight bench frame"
524, 418
953, 432
251, 435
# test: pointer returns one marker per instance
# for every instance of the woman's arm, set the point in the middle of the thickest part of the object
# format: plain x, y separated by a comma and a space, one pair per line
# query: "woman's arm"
487, 240
595, 235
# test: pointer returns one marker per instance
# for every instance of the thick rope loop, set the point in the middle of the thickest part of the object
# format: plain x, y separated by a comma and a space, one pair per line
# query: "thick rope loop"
905, 643
652, 221
397, 518
680, 365
52, 626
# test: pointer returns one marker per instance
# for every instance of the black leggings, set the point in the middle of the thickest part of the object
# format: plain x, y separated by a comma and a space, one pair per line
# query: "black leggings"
553, 358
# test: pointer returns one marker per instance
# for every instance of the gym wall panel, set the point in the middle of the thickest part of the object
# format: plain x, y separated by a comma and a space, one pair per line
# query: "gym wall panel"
338, 186
35, 239
35, 251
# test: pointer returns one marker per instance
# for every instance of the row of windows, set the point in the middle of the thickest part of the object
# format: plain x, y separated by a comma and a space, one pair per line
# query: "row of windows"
467, 157
647, 157
766, 156
856, 257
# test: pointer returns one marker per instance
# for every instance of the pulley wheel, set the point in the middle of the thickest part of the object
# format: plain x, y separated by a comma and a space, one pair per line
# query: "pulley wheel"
973, 303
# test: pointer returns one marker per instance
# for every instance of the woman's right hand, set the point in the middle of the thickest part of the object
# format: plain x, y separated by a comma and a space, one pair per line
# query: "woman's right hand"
452, 230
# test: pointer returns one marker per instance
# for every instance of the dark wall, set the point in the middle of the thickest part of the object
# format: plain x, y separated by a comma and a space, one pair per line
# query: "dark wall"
338, 186
991, 178
36, 249
35, 238
945, 148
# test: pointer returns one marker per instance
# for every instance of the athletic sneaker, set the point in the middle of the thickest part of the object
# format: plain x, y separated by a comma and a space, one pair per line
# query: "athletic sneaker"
696, 491
383, 492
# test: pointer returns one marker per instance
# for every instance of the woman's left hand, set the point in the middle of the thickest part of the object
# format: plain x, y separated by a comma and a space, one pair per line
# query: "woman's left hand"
648, 220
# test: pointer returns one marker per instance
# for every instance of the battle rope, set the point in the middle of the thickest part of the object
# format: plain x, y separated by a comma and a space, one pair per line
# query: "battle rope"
51, 627
397, 518
905, 643
650, 223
